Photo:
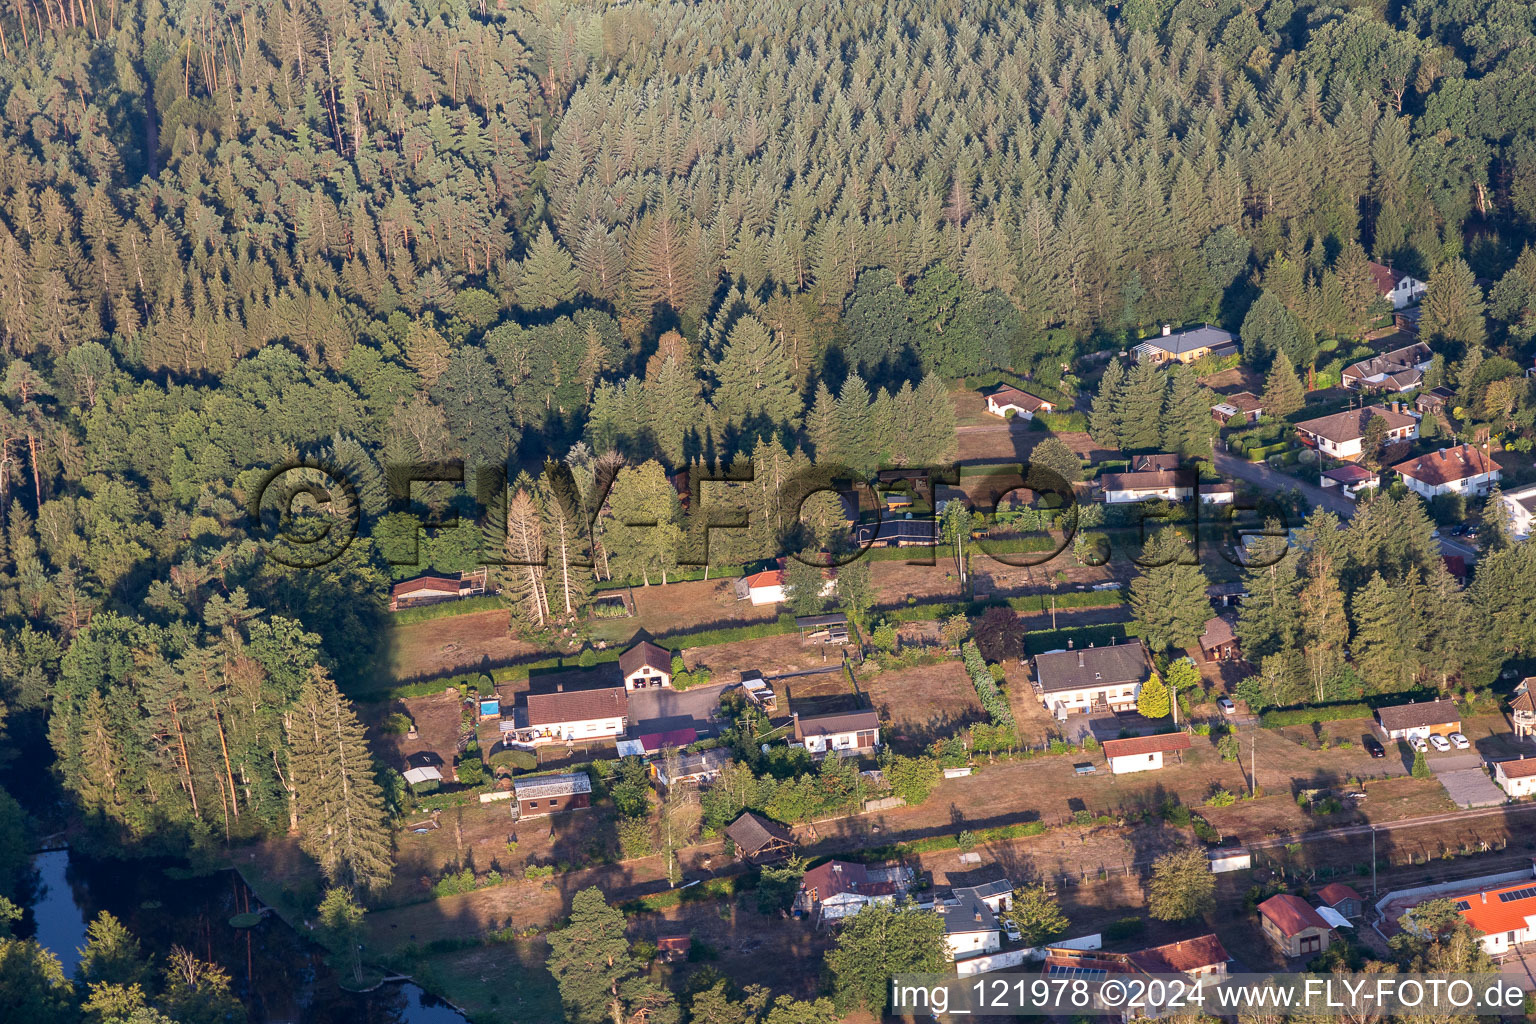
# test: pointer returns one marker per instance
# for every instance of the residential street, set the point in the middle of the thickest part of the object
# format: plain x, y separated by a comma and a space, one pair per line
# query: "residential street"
1261, 476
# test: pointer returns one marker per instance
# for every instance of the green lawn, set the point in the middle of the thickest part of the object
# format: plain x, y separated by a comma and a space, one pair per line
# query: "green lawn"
499, 983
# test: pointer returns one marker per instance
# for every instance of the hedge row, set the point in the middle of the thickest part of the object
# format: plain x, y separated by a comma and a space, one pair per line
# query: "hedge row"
992, 700
1082, 636
1276, 718
715, 572
1075, 599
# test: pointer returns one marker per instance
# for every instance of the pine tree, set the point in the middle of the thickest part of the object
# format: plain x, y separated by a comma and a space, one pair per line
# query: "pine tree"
343, 821
821, 427
1283, 392
1363, 301
547, 277
852, 424
591, 963
1106, 421
1324, 625
1060, 462
427, 352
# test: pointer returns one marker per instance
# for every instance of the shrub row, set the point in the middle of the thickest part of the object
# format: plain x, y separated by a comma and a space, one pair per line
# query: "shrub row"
992, 700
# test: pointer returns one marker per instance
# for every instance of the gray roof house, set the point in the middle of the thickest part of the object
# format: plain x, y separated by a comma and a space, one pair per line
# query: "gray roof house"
1186, 346
1091, 678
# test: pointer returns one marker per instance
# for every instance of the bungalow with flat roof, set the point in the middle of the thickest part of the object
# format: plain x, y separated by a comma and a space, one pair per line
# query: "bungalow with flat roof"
1521, 505
1007, 399
1143, 753
1295, 928
1340, 434
1185, 346
1243, 408
1419, 720
1091, 678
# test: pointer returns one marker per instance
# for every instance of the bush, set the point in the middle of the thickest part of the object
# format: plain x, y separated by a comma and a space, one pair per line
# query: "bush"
1125, 928
992, 700
1220, 798
471, 772
396, 724
588, 658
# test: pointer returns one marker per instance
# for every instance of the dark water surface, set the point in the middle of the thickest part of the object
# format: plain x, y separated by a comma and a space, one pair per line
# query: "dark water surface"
278, 975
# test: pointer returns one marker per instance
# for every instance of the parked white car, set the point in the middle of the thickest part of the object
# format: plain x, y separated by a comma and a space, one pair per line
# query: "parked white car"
1226, 705
1014, 935
1417, 743
1439, 742
1459, 741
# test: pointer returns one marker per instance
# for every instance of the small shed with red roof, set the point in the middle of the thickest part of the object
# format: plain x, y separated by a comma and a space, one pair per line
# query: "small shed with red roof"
1293, 926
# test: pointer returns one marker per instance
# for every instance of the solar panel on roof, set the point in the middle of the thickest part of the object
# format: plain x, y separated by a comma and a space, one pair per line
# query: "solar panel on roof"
1463, 905
1517, 894
1077, 972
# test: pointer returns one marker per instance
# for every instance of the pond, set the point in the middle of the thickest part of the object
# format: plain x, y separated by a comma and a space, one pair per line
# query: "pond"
277, 974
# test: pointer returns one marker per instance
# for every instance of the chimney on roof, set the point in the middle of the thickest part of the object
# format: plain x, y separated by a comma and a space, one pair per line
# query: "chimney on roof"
1167, 329
1069, 645
978, 915
559, 687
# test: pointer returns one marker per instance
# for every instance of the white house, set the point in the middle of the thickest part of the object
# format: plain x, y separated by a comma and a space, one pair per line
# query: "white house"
1340, 435
1460, 470
1143, 753
1516, 778
1008, 399
1419, 720
1218, 494
1167, 484
761, 588
571, 715
646, 666
839, 889
1091, 678
1396, 287
1505, 915
970, 929
850, 732
1522, 511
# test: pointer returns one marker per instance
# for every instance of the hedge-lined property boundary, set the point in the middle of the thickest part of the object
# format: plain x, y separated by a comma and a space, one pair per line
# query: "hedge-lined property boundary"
446, 609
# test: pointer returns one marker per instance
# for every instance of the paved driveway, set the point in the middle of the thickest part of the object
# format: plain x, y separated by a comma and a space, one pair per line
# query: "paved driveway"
1464, 779
660, 710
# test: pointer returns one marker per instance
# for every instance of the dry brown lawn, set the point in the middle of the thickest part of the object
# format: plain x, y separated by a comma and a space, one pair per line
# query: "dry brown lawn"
920, 705
479, 641
694, 605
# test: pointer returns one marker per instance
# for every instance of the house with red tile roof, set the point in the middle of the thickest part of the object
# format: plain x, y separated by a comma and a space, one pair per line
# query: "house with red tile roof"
1459, 470
1506, 915
1397, 286
1143, 753
1293, 926
1516, 778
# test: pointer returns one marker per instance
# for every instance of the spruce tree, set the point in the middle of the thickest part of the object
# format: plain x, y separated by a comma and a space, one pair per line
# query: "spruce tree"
1283, 392
1168, 598
753, 389
1142, 411
1454, 306
1497, 532
821, 427
1187, 423
1060, 462
852, 424
1106, 421
1152, 699
1381, 643
343, 820
546, 277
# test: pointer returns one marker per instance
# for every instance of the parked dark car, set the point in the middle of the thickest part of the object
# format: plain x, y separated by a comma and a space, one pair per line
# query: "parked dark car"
1373, 746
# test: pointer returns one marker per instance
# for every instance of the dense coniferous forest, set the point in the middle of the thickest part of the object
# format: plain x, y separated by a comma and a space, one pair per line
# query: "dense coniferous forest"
635, 238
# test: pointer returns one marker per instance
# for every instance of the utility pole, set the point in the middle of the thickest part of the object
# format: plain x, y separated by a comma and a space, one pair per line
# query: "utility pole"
1253, 771
1373, 862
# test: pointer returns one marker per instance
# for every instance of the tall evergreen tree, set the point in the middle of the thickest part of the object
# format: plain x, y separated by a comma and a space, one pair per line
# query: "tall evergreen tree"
1107, 421
343, 821
546, 277
752, 379
1168, 597
1454, 306
1283, 392
1142, 411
